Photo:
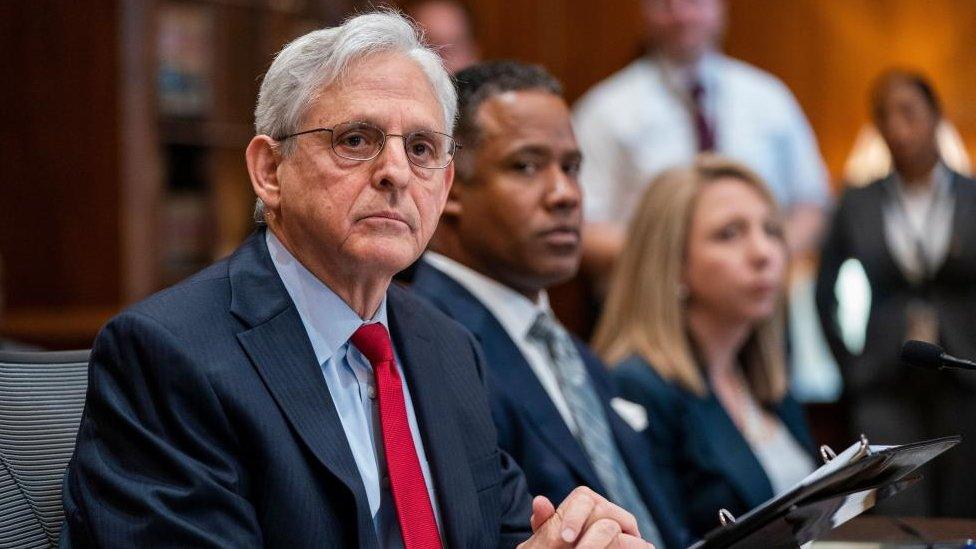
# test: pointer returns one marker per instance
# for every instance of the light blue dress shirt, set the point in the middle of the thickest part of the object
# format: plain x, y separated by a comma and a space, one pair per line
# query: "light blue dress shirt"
637, 123
330, 322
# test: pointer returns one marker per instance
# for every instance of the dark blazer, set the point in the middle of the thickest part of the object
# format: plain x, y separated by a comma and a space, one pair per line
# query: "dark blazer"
697, 440
208, 424
530, 427
858, 232
888, 400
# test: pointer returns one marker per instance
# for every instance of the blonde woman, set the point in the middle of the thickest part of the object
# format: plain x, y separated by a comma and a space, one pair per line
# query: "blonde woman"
693, 321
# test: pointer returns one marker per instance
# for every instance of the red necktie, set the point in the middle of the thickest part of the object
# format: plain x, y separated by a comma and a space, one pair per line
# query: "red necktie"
703, 130
414, 510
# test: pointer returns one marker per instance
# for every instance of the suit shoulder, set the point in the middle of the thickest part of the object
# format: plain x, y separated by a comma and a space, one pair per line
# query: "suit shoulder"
964, 180
856, 197
191, 310
637, 380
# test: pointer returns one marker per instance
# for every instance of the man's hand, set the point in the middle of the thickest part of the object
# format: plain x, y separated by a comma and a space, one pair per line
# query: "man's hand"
584, 519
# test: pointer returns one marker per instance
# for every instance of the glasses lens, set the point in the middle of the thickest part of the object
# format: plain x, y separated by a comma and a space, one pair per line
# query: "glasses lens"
357, 140
429, 149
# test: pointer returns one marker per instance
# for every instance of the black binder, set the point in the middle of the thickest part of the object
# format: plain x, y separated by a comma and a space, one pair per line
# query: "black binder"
827, 498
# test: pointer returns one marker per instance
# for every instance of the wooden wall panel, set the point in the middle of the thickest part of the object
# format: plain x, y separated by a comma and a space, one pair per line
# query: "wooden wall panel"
67, 134
579, 41
828, 52
59, 234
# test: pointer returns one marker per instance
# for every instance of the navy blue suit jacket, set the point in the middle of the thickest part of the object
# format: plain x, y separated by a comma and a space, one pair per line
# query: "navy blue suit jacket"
530, 427
697, 440
208, 424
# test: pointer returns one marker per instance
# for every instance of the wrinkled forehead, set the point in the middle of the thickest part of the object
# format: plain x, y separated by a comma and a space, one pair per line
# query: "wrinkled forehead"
386, 88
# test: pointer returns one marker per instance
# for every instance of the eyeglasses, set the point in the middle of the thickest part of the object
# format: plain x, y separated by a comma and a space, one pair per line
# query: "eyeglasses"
362, 141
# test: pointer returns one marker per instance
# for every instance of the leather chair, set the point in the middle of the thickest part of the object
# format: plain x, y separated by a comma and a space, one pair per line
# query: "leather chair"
42, 395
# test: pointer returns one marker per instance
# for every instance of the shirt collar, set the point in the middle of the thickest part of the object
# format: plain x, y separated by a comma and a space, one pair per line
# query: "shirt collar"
328, 320
939, 178
515, 312
704, 71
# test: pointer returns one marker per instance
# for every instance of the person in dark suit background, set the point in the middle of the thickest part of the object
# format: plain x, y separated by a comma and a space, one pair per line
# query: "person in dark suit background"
511, 229
693, 324
914, 234
286, 396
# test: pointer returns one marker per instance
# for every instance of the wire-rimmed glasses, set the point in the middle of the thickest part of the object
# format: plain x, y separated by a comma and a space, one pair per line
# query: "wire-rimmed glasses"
363, 141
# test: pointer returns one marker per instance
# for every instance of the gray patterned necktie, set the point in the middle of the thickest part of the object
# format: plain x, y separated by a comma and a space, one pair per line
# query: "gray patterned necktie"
591, 422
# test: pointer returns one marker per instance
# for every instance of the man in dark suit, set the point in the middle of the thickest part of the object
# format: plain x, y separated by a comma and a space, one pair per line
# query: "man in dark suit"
286, 396
511, 229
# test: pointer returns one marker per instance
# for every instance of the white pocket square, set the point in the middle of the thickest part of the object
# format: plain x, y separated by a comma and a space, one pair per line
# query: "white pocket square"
634, 414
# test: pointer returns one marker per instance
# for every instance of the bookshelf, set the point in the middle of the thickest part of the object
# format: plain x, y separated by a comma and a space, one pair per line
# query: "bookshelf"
127, 127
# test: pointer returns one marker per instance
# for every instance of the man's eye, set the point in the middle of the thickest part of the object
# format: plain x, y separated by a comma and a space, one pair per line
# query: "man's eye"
572, 169
421, 149
526, 168
353, 141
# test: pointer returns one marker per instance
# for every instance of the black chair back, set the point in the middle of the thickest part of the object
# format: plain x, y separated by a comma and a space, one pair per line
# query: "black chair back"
42, 395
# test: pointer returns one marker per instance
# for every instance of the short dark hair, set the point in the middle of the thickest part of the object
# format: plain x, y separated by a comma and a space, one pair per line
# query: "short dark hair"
903, 76
480, 82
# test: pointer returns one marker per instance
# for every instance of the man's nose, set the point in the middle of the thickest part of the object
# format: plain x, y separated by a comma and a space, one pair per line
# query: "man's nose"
564, 190
392, 169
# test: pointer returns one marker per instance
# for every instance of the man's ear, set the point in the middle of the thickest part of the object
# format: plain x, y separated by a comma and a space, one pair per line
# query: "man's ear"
452, 209
262, 165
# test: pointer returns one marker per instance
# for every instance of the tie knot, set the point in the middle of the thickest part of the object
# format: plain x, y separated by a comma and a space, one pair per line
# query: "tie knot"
543, 329
374, 342
697, 90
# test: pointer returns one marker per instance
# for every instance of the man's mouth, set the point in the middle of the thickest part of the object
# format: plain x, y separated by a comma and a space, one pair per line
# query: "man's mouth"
387, 216
562, 236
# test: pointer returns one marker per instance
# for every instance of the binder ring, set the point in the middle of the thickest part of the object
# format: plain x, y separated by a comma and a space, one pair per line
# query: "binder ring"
827, 453
725, 517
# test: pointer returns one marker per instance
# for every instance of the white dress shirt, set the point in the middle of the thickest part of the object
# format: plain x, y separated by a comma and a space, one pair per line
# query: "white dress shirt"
637, 123
330, 322
516, 313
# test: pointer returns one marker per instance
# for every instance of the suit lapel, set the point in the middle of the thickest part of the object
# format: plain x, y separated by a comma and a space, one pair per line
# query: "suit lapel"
278, 345
872, 224
963, 227
511, 370
507, 365
731, 452
425, 366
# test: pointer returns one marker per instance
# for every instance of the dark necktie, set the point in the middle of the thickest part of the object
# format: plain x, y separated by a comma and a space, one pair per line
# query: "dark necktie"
410, 497
703, 129
592, 423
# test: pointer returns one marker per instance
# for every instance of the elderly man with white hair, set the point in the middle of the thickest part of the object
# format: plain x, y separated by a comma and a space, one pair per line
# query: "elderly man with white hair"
288, 396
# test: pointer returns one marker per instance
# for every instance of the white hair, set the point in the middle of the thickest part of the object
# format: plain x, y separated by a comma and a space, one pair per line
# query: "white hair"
316, 60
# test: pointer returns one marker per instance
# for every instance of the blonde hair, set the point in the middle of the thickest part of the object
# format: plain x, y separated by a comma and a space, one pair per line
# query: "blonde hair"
644, 314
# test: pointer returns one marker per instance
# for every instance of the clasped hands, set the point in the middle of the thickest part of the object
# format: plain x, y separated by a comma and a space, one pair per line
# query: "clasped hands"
584, 519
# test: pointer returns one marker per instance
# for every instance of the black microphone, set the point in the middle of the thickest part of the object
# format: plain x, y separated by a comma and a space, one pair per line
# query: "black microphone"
932, 357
